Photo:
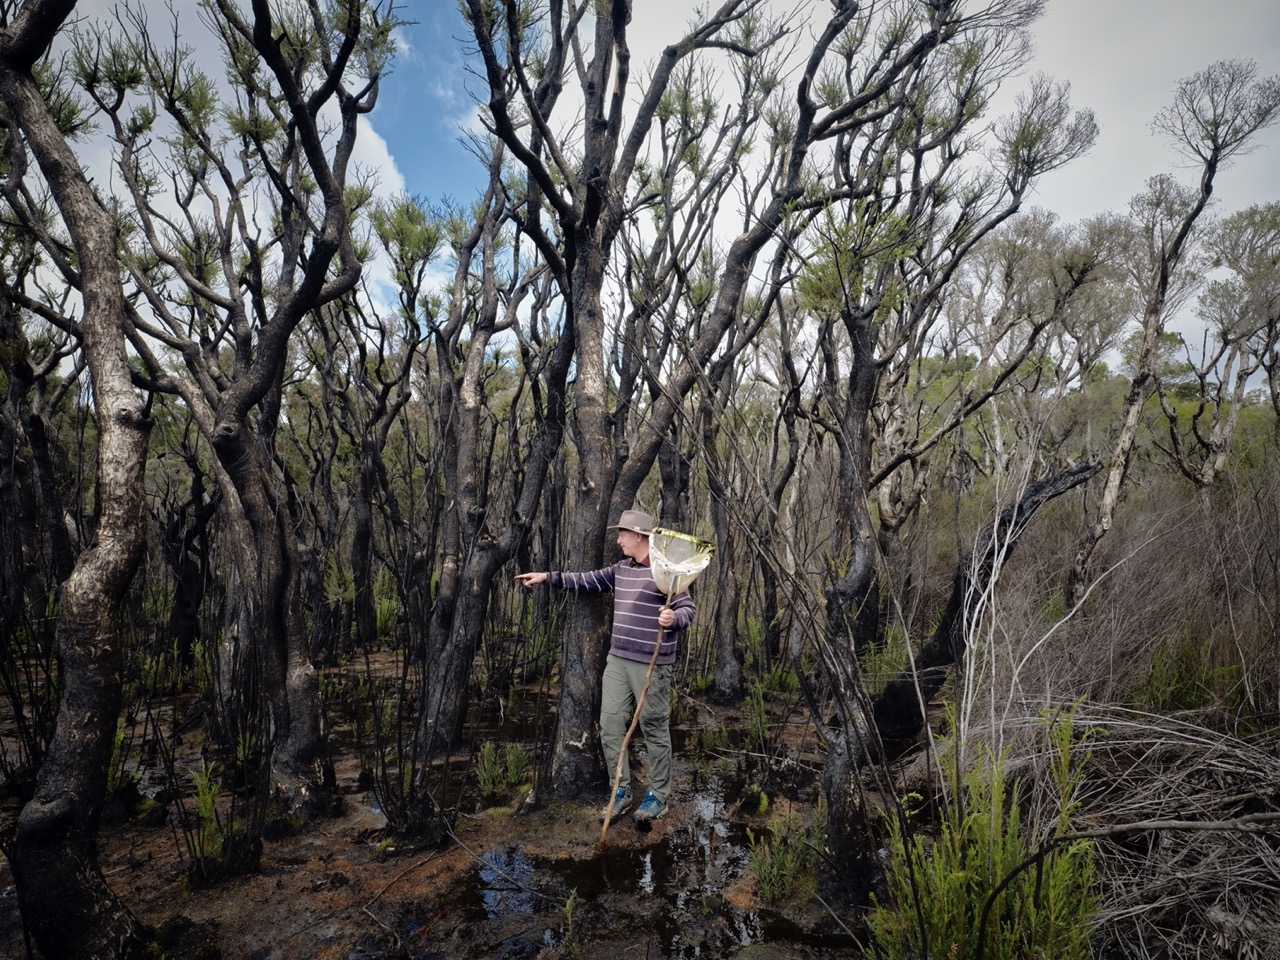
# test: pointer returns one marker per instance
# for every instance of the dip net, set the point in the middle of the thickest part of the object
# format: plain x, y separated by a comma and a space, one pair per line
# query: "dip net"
676, 559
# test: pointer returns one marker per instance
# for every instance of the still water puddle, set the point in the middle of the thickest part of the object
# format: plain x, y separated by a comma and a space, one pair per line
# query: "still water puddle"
668, 895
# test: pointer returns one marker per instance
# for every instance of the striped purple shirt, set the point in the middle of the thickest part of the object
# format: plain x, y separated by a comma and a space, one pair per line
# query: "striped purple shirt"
636, 603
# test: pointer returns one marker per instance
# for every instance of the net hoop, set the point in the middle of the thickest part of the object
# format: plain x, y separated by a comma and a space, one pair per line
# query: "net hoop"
677, 558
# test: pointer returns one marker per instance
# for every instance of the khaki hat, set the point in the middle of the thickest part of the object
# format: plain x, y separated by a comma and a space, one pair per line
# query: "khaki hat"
637, 521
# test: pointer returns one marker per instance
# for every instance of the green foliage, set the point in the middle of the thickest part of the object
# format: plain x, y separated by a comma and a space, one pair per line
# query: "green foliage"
1056, 608
758, 716
246, 749
885, 661
1182, 677
785, 863
161, 673
501, 770
204, 841
329, 685
710, 739
753, 636
386, 604
782, 679
115, 772
411, 237
384, 718
338, 585
939, 888
570, 903
67, 108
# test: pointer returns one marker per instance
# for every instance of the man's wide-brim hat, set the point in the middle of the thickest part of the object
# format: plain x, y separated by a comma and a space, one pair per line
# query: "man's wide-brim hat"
637, 521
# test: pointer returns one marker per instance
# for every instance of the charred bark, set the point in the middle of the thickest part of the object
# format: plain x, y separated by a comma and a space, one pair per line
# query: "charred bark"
896, 712
266, 622
186, 549
35, 556
66, 904
727, 686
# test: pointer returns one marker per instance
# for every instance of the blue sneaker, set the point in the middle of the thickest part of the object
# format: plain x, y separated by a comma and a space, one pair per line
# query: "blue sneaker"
621, 800
651, 808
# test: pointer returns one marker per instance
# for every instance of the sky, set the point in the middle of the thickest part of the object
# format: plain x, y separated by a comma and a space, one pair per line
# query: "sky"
1123, 59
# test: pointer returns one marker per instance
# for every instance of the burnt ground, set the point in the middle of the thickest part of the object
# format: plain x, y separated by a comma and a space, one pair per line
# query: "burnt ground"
513, 882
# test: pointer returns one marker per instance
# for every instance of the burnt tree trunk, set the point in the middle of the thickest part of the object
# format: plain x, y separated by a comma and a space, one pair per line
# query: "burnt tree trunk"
853, 600
186, 548
474, 549
66, 904
265, 619
896, 711
727, 685
35, 551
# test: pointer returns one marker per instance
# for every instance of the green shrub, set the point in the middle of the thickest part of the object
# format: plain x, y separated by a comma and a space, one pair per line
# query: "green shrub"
1182, 677
501, 770
939, 889
711, 739
1056, 608
758, 716
753, 641
785, 863
204, 840
883, 662
386, 606
781, 679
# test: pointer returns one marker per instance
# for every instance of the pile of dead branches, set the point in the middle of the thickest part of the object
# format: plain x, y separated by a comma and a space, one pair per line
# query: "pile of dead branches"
1187, 829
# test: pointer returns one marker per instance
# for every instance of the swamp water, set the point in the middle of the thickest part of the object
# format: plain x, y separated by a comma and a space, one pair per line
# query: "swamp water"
678, 890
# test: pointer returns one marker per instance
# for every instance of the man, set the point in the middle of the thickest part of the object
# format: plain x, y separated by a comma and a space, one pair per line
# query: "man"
640, 615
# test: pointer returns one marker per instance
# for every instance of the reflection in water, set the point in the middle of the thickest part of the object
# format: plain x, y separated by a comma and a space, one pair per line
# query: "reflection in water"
669, 893
503, 887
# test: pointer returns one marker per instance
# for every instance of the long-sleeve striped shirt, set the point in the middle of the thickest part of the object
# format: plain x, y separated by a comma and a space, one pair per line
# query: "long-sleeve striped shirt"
636, 604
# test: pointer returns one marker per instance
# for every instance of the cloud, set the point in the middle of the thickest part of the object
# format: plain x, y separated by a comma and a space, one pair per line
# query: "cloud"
1124, 61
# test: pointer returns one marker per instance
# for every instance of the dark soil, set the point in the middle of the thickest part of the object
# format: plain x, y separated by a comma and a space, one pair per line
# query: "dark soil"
513, 882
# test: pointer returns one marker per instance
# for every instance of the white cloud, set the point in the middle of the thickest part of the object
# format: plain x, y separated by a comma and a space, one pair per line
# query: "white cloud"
1124, 61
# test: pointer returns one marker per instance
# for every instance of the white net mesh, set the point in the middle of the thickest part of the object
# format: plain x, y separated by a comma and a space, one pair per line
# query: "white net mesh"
677, 559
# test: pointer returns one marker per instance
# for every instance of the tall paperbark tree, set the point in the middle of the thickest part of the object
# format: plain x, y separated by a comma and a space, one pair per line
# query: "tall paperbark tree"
66, 903
1214, 117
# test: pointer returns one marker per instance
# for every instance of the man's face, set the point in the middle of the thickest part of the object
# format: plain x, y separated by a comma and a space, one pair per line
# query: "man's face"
634, 545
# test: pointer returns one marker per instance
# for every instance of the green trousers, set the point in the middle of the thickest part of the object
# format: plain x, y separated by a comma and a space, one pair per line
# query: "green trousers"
623, 680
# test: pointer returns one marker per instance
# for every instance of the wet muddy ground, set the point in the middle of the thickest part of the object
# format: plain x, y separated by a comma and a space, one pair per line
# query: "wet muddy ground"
514, 882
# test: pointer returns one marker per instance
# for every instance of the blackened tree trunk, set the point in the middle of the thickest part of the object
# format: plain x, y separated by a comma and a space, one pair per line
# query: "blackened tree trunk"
896, 711
265, 621
727, 678
674, 465
186, 549
475, 546
853, 600
66, 904
35, 549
